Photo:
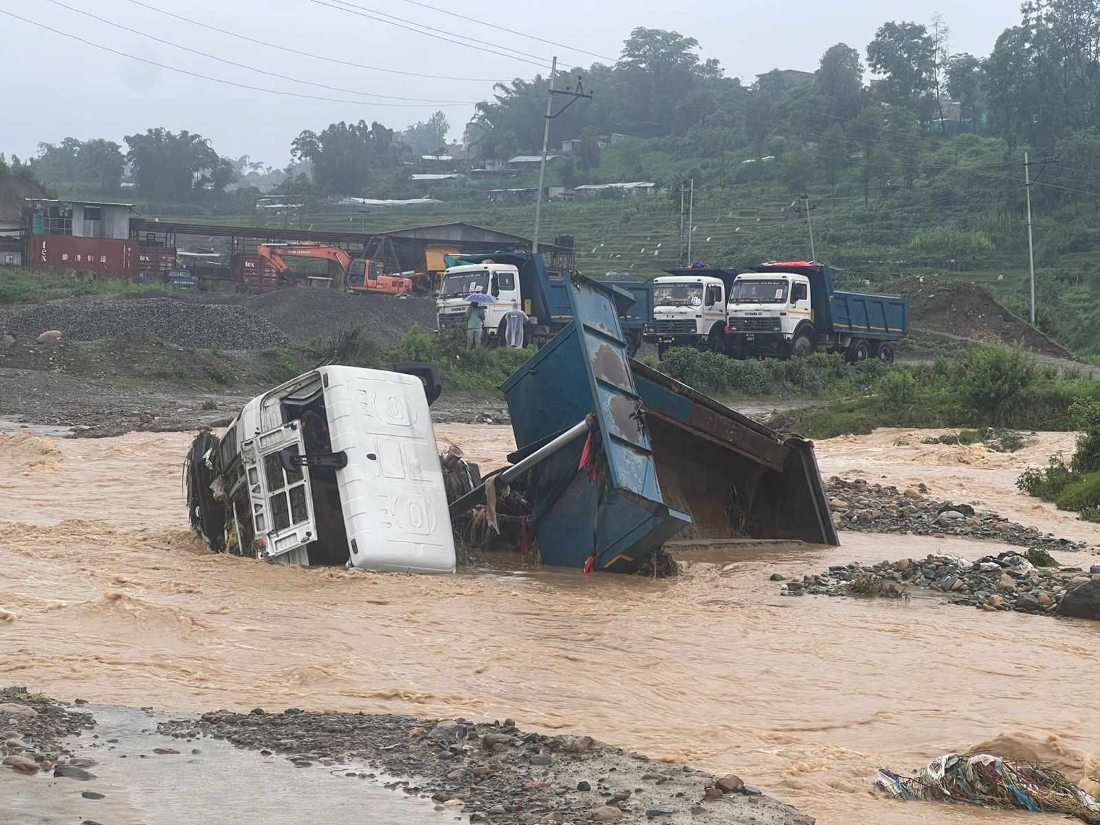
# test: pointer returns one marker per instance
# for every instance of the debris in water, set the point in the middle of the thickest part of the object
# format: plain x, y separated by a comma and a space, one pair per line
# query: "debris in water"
993, 782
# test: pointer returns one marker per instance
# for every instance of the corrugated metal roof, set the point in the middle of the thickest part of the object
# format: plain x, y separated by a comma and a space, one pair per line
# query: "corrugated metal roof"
638, 184
531, 158
82, 203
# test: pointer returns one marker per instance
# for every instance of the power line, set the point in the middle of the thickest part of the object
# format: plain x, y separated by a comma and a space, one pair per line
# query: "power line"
326, 58
511, 31
247, 67
427, 31
208, 77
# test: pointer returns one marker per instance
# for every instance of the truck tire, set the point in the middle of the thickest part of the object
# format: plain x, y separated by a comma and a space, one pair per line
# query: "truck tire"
858, 350
716, 343
734, 349
633, 343
661, 350
883, 351
802, 346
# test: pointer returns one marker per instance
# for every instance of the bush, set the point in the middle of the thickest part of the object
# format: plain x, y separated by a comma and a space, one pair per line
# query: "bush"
1080, 494
1087, 457
1048, 482
897, 389
991, 379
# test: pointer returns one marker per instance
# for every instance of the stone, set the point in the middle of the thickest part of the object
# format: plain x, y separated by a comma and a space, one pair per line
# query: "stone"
448, 732
455, 776
777, 577
949, 518
7, 341
1027, 603
1082, 602
165, 751
1076, 580
712, 794
1043, 598
73, 772
606, 814
1095, 569
540, 759
22, 764
12, 709
618, 796
83, 762
93, 795
491, 739
730, 783
655, 812
496, 810
1006, 583
50, 336
838, 504
750, 790
996, 602
454, 803
961, 509
903, 565
15, 745
584, 785
958, 584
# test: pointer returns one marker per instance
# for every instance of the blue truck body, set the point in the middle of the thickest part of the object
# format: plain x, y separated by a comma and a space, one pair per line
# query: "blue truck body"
664, 461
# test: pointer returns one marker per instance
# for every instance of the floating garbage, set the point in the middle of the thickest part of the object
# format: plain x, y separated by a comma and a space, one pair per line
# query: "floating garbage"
992, 782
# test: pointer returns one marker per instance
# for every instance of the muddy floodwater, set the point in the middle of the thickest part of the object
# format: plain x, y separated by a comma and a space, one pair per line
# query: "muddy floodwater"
105, 595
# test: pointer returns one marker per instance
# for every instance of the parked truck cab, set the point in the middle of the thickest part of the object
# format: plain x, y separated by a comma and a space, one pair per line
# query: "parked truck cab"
791, 309
688, 311
500, 281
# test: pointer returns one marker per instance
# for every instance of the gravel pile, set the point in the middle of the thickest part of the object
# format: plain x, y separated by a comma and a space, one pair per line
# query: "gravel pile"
183, 323
305, 314
1004, 582
495, 772
876, 508
35, 729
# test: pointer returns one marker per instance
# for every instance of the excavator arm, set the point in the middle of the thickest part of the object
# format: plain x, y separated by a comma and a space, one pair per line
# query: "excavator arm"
275, 255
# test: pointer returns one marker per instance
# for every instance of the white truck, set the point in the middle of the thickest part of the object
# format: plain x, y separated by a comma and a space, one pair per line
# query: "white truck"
338, 466
689, 309
500, 281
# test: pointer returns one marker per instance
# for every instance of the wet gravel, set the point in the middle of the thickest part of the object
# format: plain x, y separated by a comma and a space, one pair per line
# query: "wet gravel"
495, 772
183, 323
32, 732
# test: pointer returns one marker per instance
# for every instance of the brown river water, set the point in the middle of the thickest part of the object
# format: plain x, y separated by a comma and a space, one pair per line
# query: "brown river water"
105, 595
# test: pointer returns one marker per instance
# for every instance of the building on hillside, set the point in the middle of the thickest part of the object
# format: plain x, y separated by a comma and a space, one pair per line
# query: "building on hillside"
618, 137
80, 219
632, 189
528, 163
792, 78
570, 146
439, 163
435, 177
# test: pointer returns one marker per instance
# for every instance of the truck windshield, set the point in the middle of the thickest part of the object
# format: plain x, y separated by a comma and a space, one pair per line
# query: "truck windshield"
461, 284
758, 292
678, 295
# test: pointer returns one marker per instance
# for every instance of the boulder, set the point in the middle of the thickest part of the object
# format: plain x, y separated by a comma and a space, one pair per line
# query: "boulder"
1007, 583
1082, 602
50, 336
730, 783
838, 504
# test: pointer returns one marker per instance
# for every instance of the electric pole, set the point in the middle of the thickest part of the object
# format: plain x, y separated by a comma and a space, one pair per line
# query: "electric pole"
1030, 245
682, 261
574, 95
810, 224
691, 217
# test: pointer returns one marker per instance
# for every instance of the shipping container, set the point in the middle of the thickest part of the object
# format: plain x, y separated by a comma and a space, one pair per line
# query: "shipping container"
253, 273
108, 257
155, 262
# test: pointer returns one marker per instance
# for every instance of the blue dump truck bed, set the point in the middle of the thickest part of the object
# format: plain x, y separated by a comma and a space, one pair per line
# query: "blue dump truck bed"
622, 458
871, 316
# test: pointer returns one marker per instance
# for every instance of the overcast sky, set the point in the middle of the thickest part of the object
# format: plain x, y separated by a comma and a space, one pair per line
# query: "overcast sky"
57, 87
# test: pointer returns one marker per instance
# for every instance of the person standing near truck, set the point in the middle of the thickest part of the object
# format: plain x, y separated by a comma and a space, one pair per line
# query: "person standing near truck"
475, 326
515, 322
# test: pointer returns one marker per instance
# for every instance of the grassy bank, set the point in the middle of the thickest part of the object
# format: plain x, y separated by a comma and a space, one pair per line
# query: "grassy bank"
22, 286
986, 387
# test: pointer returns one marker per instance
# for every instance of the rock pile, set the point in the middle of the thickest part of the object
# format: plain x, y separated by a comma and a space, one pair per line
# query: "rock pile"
1004, 582
32, 730
495, 773
876, 508
183, 323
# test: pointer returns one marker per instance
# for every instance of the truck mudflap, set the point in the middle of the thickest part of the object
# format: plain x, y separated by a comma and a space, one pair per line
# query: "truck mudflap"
735, 477
660, 460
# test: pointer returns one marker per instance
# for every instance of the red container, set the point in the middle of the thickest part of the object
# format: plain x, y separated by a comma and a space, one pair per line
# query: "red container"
155, 262
108, 257
255, 274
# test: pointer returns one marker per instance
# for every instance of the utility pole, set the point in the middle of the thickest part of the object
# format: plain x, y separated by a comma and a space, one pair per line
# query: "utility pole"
810, 224
574, 94
1030, 246
691, 218
683, 262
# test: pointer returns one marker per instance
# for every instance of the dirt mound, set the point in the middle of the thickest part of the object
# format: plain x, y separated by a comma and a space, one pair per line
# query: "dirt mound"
962, 310
306, 314
183, 323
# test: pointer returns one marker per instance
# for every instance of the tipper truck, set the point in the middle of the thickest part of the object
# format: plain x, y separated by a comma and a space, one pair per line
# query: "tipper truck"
689, 309
791, 309
540, 291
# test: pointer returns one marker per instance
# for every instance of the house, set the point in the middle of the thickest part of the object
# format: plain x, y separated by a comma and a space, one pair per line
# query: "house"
435, 177
526, 194
527, 163
618, 137
80, 219
440, 163
632, 188
790, 77
569, 146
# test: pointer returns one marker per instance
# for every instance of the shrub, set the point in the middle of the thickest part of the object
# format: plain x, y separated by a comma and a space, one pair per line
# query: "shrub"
1087, 457
989, 380
1048, 482
897, 389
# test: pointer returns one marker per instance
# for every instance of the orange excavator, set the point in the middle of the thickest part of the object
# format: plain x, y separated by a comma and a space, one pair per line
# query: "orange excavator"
355, 275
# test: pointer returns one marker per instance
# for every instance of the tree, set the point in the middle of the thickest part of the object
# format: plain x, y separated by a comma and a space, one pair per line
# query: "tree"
832, 154
4, 168
941, 53
102, 162
905, 54
838, 81
964, 83
351, 158
176, 166
427, 137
